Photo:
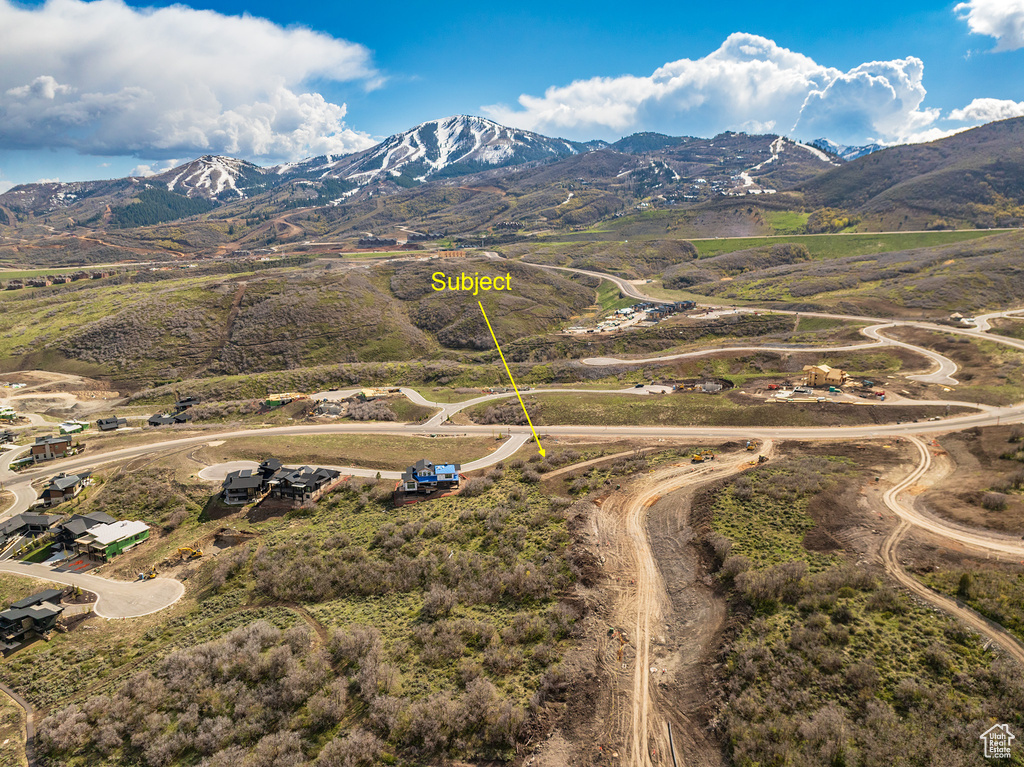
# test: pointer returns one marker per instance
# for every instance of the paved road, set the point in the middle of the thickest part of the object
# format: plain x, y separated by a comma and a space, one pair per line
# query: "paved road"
115, 599
943, 376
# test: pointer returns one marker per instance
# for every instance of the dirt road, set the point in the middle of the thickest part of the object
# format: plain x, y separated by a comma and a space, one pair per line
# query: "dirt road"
908, 517
644, 602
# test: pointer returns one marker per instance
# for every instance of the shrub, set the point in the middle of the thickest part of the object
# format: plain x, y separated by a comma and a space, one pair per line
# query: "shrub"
437, 603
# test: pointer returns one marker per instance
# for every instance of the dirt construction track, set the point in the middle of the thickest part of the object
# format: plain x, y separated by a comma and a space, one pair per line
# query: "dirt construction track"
643, 603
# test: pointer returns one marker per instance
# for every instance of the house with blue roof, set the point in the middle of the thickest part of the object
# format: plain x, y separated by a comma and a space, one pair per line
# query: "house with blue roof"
426, 477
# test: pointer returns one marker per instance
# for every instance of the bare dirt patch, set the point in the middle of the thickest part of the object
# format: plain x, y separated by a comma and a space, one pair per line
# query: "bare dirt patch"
980, 492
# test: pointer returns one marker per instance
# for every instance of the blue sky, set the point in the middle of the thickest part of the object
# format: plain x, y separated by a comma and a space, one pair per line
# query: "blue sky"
100, 89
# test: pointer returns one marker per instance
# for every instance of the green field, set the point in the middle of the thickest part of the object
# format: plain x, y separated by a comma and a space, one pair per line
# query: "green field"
30, 273
787, 221
839, 245
610, 298
368, 451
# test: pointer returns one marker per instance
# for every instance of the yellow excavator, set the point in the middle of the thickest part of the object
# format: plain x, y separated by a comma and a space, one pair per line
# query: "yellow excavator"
187, 552
702, 455
751, 445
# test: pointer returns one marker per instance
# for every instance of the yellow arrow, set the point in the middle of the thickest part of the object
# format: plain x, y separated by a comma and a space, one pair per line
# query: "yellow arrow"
498, 347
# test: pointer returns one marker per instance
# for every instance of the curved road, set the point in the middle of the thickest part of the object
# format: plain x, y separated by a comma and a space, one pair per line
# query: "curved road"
909, 516
115, 599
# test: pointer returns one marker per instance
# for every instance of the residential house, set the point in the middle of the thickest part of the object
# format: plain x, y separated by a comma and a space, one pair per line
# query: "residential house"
104, 542
185, 403
40, 282
243, 486
36, 615
48, 448
7, 437
271, 476
63, 487
112, 423
167, 420
73, 427
7, 414
248, 485
26, 524
302, 484
29, 523
426, 477
70, 531
823, 375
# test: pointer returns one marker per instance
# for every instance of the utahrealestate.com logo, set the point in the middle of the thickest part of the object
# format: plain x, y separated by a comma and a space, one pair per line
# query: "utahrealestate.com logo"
997, 741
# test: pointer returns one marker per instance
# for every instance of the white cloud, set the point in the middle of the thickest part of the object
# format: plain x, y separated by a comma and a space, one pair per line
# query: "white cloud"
144, 169
750, 83
1000, 19
104, 78
987, 110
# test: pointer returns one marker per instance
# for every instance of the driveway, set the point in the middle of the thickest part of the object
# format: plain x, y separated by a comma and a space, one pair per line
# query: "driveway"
115, 599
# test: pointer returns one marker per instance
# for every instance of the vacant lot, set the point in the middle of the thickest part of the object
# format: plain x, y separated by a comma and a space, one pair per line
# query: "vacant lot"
985, 486
367, 451
692, 409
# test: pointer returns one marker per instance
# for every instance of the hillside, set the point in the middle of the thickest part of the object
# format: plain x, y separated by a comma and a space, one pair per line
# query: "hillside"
975, 178
140, 328
968, 276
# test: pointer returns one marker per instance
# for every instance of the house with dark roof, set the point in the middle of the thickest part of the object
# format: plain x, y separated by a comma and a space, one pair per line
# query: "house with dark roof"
185, 403
70, 531
243, 486
426, 477
29, 523
273, 478
35, 615
63, 487
301, 484
48, 448
7, 437
168, 420
112, 423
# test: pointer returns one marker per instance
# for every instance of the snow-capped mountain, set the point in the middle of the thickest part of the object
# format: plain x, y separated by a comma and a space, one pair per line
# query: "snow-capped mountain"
452, 146
213, 176
843, 151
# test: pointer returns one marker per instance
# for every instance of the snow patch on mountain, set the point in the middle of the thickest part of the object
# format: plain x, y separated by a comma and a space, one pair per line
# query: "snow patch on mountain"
843, 151
209, 176
437, 146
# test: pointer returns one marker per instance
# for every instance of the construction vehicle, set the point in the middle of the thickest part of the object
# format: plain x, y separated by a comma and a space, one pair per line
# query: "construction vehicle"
702, 455
751, 445
762, 459
187, 552
148, 576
